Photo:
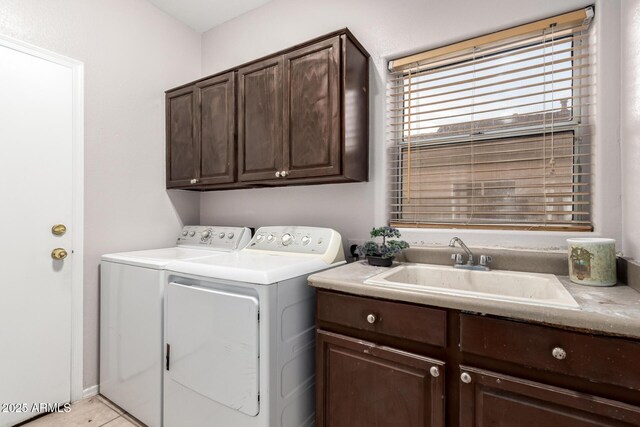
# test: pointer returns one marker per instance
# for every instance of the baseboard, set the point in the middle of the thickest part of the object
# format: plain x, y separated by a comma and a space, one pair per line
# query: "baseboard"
90, 391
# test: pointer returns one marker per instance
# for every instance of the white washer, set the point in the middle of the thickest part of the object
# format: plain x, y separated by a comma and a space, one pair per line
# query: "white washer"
240, 332
131, 316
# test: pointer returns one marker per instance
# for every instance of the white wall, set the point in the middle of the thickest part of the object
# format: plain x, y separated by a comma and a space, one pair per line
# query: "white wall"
388, 29
630, 129
132, 52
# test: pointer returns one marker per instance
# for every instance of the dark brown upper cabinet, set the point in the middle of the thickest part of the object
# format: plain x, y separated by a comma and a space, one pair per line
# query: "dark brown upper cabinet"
260, 120
181, 136
216, 127
312, 111
201, 133
302, 118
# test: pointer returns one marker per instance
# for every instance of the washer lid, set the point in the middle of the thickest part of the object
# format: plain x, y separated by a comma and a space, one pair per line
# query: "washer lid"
159, 258
258, 267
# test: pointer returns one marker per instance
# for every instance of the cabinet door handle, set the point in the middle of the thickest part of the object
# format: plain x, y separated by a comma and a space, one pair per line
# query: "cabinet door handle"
371, 318
434, 371
194, 181
284, 173
278, 174
465, 378
559, 353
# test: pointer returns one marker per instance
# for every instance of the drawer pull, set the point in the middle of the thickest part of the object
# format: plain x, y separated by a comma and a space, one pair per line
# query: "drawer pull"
371, 318
465, 378
434, 371
559, 353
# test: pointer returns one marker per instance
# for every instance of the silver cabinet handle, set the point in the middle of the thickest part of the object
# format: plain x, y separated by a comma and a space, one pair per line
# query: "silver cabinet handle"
194, 181
371, 318
284, 174
465, 378
278, 174
434, 371
559, 353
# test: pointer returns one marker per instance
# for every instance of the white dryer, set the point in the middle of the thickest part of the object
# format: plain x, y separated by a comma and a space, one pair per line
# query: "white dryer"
132, 288
240, 341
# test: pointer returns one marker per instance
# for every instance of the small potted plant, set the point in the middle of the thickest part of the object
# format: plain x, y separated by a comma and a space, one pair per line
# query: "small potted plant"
381, 254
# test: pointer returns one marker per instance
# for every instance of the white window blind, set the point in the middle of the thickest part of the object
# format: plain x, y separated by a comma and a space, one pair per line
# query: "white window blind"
495, 132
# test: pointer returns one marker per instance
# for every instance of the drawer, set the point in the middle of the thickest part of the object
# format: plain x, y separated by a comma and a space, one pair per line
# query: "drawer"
401, 320
599, 359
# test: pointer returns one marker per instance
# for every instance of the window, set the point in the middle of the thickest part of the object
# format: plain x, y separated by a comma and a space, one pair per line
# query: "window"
494, 132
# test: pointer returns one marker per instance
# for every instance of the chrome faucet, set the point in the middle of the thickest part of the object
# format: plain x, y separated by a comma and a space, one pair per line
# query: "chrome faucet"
452, 244
484, 259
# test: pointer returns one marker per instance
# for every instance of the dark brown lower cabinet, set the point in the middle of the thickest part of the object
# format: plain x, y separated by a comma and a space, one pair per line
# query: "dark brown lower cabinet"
361, 384
382, 363
491, 399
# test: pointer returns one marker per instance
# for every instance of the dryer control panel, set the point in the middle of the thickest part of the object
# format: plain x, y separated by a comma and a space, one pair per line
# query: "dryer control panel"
298, 240
214, 237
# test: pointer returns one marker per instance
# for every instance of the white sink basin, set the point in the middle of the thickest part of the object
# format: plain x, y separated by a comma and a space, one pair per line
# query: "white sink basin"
510, 286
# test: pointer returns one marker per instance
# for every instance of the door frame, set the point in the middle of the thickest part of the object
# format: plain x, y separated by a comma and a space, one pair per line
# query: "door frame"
77, 270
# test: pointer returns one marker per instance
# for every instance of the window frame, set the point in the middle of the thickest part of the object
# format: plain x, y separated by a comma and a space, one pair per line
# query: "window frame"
574, 125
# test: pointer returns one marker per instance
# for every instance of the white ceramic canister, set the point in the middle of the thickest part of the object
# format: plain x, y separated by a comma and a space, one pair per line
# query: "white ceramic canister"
592, 261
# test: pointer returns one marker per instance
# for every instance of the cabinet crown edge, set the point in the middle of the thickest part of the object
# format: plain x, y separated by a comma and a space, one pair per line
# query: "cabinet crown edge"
343, 31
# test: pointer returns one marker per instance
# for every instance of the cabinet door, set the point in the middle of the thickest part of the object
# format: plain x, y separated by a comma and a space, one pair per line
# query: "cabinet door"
312, 125
260, 120
360, 384
216, 154
491, 399
182, 135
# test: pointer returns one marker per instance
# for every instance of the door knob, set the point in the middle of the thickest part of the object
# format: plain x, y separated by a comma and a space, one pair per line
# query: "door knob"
58, 229
58, 254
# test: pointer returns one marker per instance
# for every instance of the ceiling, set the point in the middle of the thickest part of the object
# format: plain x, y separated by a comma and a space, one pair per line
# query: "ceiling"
202, 15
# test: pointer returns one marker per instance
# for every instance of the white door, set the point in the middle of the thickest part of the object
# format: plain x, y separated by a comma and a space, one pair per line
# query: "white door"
36, 131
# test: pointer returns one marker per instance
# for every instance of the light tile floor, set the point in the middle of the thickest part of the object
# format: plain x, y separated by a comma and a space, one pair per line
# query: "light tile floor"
94, 411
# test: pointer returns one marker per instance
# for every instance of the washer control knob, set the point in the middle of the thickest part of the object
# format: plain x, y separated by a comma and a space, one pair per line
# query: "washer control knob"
306, 240
192, 233
230, 235
260, 238
287, 239
271, 238
206, 234
184, 233
221, 235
